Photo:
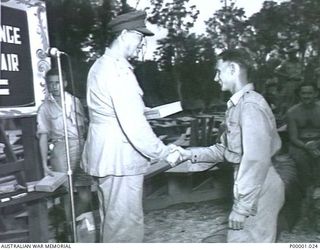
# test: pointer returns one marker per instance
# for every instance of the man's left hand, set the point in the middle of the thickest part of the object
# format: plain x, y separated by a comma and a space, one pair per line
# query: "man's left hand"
236, 220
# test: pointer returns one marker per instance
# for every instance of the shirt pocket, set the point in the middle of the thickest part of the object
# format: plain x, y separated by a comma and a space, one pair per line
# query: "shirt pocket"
56, 122
234, 137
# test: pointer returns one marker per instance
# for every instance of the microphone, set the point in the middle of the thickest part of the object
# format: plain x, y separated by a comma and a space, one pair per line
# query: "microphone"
54, 52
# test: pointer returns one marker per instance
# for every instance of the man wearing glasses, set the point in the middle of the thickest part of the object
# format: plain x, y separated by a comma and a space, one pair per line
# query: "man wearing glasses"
120, 141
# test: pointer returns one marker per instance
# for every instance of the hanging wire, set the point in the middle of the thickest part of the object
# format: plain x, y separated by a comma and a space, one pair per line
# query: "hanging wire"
73, 96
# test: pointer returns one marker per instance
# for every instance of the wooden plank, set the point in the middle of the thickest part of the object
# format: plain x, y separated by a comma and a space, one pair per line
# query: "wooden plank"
38, 228
38, 224
9, 151
33, 169
161, 191
218, 192
194, 136
12, 167
184, 167
32, 196
179, 186
188, 167
156, 168
182, 141
5, 236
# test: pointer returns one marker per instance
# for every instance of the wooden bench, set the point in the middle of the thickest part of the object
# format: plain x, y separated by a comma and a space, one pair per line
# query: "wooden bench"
165, 186
187, 182
26, 170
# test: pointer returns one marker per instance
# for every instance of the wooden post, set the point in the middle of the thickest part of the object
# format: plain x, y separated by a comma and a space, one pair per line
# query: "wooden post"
37, 210
194, 136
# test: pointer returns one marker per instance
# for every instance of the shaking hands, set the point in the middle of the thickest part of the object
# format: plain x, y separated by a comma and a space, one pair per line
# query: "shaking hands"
177, 155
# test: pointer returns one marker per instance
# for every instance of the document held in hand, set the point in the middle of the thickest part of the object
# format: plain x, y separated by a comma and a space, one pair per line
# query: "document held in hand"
163, 110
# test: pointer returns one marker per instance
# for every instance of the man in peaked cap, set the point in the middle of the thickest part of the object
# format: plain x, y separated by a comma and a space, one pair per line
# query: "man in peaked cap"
120, 142
134, 20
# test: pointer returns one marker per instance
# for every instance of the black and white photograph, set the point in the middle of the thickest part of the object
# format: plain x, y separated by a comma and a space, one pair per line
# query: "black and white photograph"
159, 121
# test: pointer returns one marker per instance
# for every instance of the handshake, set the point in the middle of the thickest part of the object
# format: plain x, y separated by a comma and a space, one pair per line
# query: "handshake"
177, 155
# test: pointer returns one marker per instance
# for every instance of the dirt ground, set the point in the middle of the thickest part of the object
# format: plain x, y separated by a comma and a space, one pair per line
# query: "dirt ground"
201, 222
206, 222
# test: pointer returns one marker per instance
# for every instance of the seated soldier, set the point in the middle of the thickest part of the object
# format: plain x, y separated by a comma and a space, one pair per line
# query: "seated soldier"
274, 96
304, 134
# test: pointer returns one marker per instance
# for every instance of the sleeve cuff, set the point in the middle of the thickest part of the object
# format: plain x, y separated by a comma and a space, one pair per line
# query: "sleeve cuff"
194, 157
241, 209
248, 204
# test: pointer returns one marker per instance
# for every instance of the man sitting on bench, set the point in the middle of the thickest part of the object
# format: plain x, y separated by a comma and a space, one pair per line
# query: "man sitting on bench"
304, 133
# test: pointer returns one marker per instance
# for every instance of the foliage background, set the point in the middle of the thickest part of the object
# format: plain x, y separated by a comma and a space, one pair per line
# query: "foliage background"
283, 40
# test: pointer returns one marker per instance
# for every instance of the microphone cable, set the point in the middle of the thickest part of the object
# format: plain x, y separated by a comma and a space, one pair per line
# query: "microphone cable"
70, 70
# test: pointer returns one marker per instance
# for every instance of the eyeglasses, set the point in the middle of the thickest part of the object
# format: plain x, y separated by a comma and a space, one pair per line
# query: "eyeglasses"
217, 72
142, 41
138, 33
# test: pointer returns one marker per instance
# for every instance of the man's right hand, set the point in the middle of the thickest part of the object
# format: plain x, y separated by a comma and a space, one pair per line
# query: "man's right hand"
48, 171
174, 158
177, 155
186, 154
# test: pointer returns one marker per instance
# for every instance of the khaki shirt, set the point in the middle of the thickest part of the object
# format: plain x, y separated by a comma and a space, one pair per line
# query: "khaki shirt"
50, 119
120, 140
250, 141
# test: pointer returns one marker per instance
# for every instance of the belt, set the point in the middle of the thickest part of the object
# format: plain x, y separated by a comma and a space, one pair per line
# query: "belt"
69, 138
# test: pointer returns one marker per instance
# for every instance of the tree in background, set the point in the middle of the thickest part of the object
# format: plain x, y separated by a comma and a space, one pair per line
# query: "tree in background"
69, 23
79, 27
177, 19
185, 60
227, 27
99, 34
195, 71
284, 41
183, 63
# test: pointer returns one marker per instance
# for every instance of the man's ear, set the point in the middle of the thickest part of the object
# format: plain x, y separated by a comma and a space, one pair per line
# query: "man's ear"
234, 68
123, 32
65, 83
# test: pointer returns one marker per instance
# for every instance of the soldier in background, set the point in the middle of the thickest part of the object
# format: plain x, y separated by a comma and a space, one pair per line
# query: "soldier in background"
290, 74
50, 131
304, 133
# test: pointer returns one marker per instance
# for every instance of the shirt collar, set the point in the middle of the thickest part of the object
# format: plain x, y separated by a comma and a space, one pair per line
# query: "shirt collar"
235, 98
50, 97
108, 52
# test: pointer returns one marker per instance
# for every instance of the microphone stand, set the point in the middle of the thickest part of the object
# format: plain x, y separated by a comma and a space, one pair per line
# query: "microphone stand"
69, 172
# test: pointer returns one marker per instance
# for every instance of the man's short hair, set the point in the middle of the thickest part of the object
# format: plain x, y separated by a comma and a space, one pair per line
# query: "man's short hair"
55, 72
306, 84
239, 56
272, 82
